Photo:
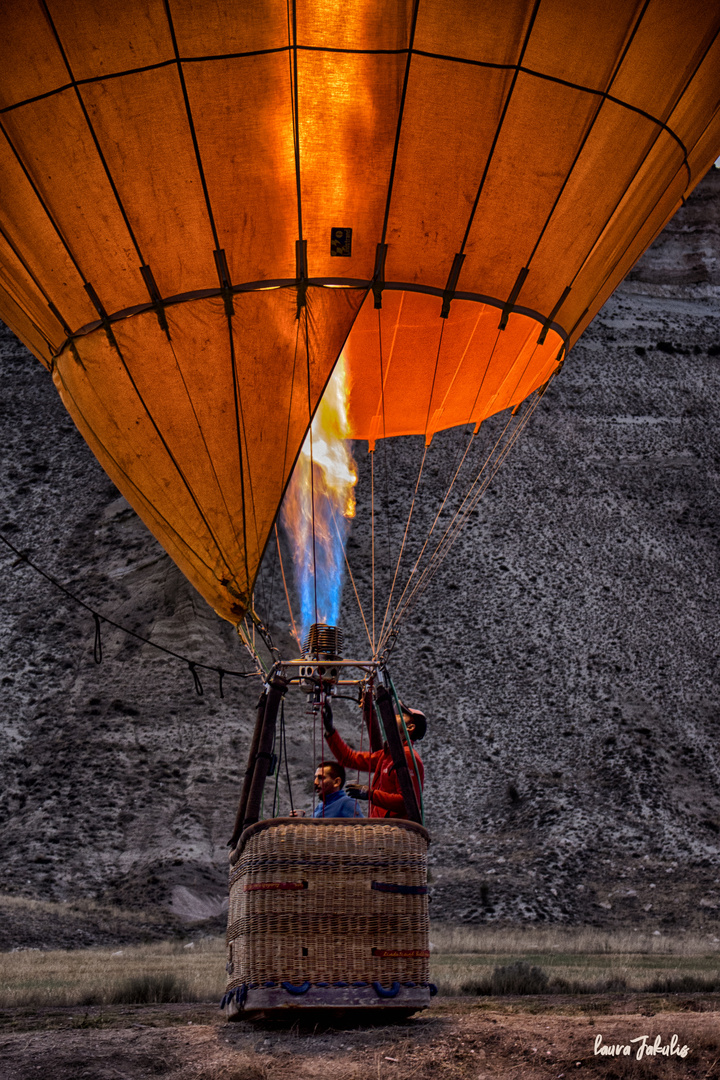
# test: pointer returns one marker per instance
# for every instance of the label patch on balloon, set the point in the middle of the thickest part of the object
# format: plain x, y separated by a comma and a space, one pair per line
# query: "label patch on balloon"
341, 242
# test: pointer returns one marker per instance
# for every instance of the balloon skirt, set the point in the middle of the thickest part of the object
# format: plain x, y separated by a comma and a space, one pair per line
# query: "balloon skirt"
328, 914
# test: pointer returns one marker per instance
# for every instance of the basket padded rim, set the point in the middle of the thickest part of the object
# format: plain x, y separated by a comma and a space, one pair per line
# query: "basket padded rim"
327, 823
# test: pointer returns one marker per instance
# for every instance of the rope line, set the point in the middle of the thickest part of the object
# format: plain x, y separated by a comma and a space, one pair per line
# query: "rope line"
462, 514
399, 613
402, 546
350, 575
90, 437
417, 485
287, 595
99, 618
440, 552
211, 463
372, 542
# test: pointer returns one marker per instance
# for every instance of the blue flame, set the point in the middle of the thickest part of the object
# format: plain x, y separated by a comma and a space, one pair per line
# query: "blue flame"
318, 507
320, 573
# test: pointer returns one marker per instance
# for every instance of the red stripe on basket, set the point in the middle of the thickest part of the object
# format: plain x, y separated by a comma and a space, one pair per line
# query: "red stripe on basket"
401, 952
267, 886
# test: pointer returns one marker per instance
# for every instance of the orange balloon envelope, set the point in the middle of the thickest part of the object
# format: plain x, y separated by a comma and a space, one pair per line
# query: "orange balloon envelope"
203, 202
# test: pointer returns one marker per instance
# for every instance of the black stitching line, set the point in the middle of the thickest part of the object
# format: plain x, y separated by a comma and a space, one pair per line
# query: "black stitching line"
181, 542
506, 104
94, 137
43, 204
401, 111
188, 110
589, 131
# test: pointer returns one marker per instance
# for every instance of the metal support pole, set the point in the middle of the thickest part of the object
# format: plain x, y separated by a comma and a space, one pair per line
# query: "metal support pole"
371, 721
275, 695
395, 745
259, 717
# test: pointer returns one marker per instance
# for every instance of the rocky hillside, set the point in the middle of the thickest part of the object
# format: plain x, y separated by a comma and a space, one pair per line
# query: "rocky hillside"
566, 654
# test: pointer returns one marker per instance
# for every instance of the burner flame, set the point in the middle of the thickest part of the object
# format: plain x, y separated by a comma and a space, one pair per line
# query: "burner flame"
321, 494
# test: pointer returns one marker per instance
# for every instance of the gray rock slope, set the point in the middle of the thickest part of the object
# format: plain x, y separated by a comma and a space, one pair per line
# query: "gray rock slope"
566, 653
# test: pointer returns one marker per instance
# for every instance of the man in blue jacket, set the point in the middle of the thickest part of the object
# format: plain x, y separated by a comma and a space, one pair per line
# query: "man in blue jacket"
330, 790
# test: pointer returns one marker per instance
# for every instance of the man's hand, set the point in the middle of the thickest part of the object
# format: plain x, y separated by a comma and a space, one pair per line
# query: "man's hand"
357, 791
328, 718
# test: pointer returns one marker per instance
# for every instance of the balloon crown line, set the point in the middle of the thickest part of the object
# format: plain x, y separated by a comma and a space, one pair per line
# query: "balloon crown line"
193, 665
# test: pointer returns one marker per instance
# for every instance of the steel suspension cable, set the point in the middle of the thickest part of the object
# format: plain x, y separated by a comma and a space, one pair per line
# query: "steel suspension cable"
440, 553
417, 485
372, 542
461, 516
287, 595
350, 575
396, 614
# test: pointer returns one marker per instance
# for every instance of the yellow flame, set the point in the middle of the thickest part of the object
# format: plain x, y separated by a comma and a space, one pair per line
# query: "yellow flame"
321, 497
330, 450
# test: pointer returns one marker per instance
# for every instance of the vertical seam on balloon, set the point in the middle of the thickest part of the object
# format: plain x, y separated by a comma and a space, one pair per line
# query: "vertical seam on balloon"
293, 57
94, 137
484, 375
191, 123
290, 406
401, 111
617, 263
460, 361
590, 128
506, 105
435, 371
43, 204
312, 463
181, 542
710, 122
386, 374
37, 283
34, 325
385, 445
629, 185
239, 435
176, 465
19, 302
202, 436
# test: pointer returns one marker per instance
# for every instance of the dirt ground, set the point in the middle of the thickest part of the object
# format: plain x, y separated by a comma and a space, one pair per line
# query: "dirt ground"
528, 1039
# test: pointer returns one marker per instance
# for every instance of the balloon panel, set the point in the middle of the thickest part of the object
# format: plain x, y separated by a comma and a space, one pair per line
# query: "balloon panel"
200, 441
245, 138
544, 145
461, 371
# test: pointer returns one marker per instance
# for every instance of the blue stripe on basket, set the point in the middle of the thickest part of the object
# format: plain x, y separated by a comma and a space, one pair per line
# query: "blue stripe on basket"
406, 890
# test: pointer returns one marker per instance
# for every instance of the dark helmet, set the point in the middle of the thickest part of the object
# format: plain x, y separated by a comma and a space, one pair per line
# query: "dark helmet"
419, 720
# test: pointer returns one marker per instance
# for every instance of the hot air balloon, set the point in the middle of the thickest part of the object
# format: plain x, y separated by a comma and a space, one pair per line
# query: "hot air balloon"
205, 203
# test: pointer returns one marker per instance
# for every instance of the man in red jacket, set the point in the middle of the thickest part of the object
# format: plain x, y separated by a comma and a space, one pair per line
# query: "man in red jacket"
384, 791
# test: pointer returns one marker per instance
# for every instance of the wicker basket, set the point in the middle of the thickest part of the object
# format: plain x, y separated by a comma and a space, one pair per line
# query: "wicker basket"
328, 913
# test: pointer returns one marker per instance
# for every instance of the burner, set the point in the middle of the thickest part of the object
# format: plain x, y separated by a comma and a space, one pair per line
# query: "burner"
323, 642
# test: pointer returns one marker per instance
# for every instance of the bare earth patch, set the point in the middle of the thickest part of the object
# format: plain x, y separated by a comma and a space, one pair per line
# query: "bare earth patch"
458, 1038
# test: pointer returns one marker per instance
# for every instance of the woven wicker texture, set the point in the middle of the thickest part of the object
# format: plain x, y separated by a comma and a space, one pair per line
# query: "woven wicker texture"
317, 917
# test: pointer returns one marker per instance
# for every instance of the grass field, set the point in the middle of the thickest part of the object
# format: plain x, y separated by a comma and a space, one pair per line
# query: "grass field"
464, 960
571, 960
